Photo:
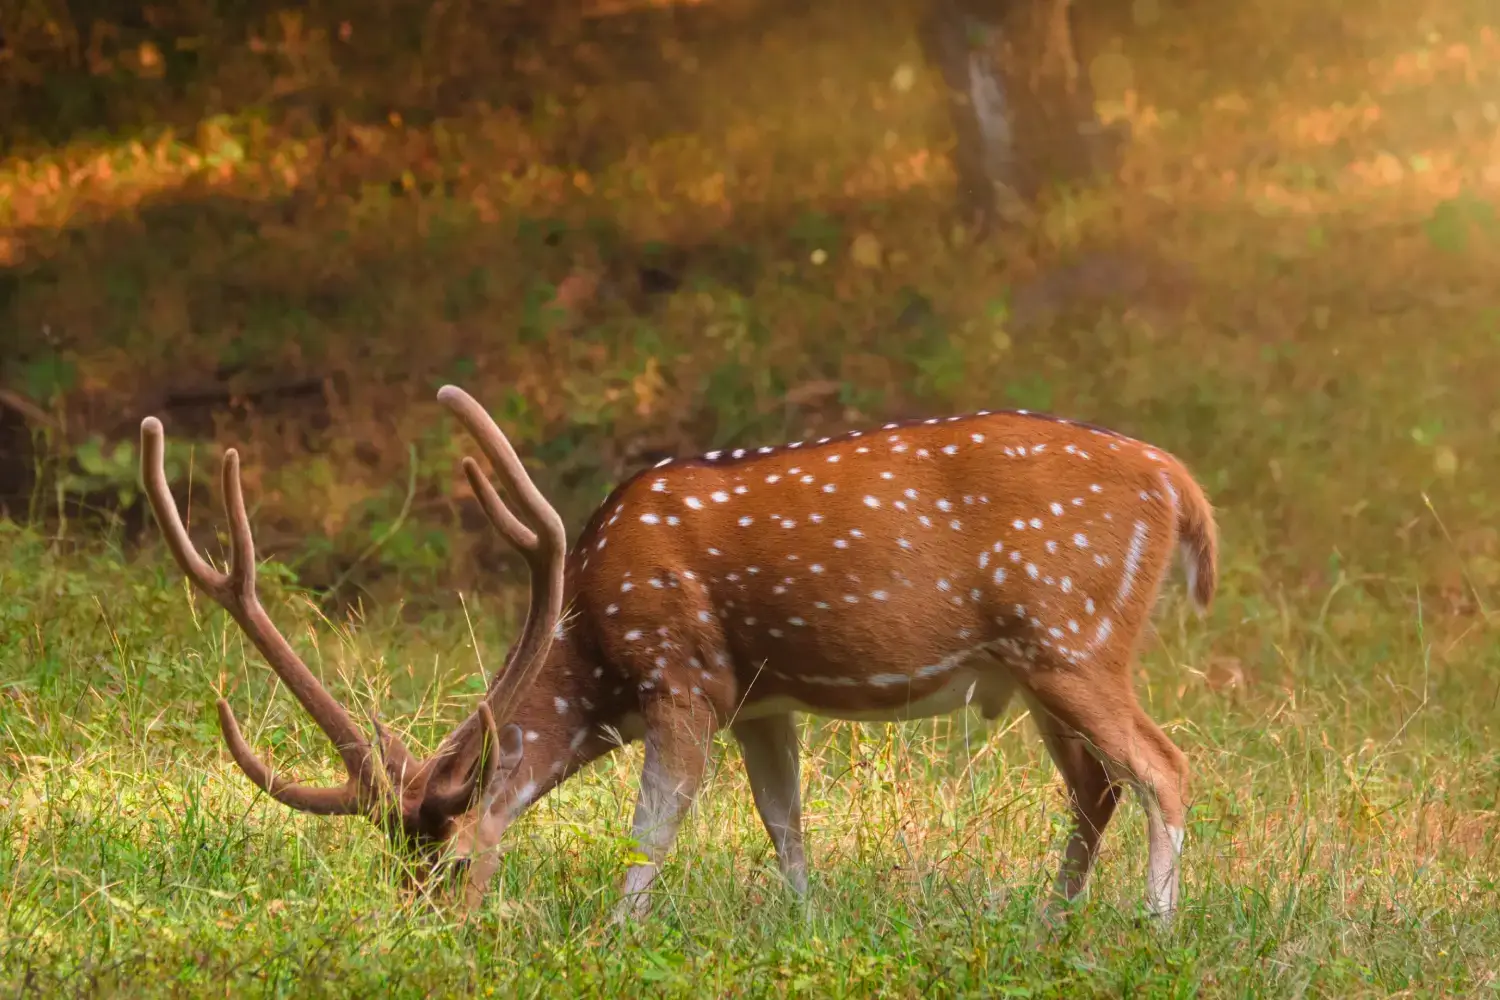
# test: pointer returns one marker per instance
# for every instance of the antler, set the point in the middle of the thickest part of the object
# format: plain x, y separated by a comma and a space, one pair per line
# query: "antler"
543, 544
235, 592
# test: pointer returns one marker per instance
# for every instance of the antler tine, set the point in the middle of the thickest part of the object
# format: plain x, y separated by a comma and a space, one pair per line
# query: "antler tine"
235, 592
542, 607
497, 448
545, 549
515, 532
335, 801
523, 538
154, 477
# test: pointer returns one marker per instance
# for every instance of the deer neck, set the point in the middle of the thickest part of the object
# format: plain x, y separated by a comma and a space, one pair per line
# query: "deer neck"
573, 714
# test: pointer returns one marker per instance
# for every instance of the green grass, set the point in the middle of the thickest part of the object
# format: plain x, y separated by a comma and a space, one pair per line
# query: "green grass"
1307, 240
1341, 842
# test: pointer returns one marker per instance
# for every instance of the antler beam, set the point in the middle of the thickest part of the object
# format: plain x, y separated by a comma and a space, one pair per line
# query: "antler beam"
543, 544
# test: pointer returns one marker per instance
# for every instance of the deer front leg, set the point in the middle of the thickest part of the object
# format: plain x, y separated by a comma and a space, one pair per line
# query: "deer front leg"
769, 746
678, 733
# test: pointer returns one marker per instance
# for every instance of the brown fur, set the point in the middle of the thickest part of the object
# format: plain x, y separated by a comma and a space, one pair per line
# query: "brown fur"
688, 618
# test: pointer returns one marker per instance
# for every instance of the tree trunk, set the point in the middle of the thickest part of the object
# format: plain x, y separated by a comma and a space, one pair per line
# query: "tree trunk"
1020, 100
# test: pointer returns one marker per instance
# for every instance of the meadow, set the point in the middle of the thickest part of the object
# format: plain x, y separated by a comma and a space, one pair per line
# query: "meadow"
657, 232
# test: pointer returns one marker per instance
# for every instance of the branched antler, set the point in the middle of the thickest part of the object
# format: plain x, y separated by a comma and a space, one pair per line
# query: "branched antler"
235, 591
543, 544
468, 758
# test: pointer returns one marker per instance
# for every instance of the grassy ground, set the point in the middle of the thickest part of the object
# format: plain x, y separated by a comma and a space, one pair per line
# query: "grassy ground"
1291, 285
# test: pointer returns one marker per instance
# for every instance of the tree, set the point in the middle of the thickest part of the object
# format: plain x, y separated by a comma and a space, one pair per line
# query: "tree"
1020, 99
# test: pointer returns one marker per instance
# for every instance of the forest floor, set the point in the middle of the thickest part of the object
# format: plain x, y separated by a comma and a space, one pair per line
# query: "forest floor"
731, 224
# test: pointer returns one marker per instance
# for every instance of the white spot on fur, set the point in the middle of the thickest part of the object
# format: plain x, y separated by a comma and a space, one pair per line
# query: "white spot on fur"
1132, 562
889, 680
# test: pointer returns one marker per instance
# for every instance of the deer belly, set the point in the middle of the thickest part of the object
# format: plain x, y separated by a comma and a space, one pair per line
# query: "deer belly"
980, 680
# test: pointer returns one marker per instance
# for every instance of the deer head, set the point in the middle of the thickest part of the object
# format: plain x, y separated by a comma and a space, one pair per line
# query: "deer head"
418, 803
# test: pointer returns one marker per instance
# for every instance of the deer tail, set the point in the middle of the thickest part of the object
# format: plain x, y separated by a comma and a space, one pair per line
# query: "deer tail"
1197, 538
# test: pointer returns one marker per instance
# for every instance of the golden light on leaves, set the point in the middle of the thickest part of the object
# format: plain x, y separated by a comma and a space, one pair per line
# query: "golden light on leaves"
866, 251
149, 61
1327, 125
614, 8
649, 387
1145, 12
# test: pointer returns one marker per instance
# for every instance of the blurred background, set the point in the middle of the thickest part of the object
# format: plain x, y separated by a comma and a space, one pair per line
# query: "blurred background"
1258, 233
1261, 234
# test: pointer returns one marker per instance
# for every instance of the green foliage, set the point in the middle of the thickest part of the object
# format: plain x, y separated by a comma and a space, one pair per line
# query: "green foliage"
47, 376
1030, 392
116, 470
1454, 220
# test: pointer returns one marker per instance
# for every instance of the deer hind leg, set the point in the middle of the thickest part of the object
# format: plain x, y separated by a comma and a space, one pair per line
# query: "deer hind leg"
769, 746
1092, 796
1168, 819
1104, 711
679, 731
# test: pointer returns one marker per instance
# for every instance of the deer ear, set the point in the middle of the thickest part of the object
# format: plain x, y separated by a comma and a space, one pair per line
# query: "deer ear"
512, 746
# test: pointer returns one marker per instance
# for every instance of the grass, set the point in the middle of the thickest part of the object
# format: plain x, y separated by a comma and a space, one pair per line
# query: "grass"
1290, 285
1341, 839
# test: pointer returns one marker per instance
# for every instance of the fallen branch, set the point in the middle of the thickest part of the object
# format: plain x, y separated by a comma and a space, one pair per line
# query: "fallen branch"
29, 410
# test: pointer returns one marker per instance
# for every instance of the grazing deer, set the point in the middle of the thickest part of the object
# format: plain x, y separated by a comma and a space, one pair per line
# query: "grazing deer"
890, 574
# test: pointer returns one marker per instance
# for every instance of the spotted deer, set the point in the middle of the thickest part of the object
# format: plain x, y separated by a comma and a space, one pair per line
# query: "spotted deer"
887, 574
